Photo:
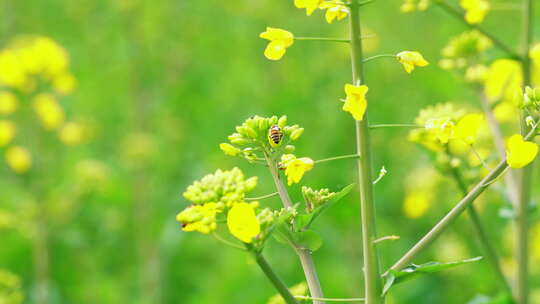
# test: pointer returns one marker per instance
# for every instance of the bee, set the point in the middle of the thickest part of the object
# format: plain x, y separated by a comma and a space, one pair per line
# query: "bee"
275, 135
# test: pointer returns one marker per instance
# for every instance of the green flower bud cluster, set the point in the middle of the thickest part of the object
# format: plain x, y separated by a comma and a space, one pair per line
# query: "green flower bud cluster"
225, 187
464, 50
10, 288
268, 219
255, 135
316, 198
531, 98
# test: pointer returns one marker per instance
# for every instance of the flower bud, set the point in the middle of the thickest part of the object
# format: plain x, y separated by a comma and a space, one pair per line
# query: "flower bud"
282, 121
297, 133
229, 149
289, 149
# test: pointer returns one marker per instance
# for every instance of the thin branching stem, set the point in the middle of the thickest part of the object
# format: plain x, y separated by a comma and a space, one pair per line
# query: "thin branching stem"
261, 197
380, 126
304, 254
276, 281
379, 56
349, 156
485, 241
322, 39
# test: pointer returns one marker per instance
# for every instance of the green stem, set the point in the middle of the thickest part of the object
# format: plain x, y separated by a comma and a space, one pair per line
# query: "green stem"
322, 39
394, 126
261, 197
372, 279
332, 299
337, 158
501, 45
522, 231
276, 281
453, 214
303, 254
379, 56
485, 241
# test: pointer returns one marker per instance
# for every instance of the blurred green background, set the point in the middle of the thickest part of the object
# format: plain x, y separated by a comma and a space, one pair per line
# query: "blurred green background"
162, 83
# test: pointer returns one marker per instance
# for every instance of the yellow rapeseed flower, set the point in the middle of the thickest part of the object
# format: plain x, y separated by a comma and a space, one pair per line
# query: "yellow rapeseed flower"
8, 102
295, 168
49, 111
7, 132
503, 80
475, 10
201, 218
355, 102
242, 222
467, 127
279, 39
335, 10
19, 159
410, 59
309, 5
72, 134
441, 128
520, 153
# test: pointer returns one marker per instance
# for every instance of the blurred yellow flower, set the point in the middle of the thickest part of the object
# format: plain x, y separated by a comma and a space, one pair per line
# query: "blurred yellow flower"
417, 203
8, 102
504, 80
7, 132
19, 159
49, 111
520, 153
505, 112
72, 134
467, 128
242, 222
441, 128
410, 59
334, 10
475, 10
295, 168
309, 5
229, 149
64, 83
409, 6
201, 218
355, 102
279, 39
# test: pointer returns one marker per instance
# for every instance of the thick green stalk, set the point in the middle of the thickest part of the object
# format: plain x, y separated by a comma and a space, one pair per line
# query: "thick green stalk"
489, 251
276, 281
522, 225
304, 254
372, 278
453, 214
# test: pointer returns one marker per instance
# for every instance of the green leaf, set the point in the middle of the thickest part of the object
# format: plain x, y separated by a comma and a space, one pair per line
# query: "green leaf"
308, 239
304, 221
394, 277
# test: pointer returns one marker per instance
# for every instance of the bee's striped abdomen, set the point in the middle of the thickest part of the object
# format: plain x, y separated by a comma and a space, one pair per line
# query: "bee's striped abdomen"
275, 135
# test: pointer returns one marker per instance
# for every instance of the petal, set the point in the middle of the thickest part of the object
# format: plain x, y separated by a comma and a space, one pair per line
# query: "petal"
274, 51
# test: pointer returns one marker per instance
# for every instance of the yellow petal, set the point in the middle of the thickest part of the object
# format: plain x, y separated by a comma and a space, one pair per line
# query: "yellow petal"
296, 169
468, 126
355, 102
274, 50
286, 38
243, 223
410, 59
520, 153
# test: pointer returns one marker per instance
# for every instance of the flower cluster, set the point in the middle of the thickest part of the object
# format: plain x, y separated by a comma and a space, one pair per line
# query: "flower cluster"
36, 69
465, 50
531, 99
223, 194
253, 137
335, 9
316, 198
